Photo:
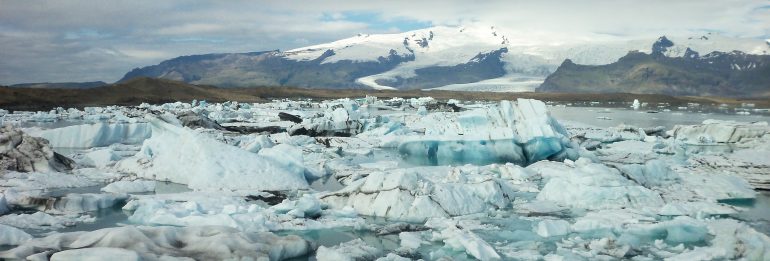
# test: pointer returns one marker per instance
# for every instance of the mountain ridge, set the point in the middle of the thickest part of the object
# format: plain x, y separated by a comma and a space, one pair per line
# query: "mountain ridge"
437, 57
734, 73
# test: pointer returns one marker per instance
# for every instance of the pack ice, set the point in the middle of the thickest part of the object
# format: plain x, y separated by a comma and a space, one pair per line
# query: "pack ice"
377, 179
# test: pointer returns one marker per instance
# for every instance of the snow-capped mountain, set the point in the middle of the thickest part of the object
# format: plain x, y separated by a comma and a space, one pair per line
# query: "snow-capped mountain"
473, 57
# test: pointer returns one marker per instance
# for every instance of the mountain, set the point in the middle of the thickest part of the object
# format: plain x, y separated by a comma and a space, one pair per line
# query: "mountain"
733, 73
473, 57
60, 85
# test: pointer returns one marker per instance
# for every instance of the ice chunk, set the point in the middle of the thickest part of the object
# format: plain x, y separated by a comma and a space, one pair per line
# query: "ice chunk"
415, 194
732, 241
22, 152
651, 174
341, 118
100, 158
257, 143
522, 132
43, 221
96, 135
348, 251
465, 240
96, 254
180, 155
80, 203
550, 228
307, 206
124, 186
685, 230
715, 131
596, 186
449, 152
697, 209
12, 236
200, 243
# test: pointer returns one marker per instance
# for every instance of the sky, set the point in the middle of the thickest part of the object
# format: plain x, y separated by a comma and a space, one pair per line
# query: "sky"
77, 40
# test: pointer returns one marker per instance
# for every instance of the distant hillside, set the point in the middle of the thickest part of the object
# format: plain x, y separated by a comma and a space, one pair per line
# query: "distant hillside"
155, 91
732, 74
60, 85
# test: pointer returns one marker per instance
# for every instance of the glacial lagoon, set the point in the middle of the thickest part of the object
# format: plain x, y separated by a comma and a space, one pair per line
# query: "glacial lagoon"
659, 203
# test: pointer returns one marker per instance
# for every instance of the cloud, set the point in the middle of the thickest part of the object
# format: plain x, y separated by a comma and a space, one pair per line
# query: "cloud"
83, 40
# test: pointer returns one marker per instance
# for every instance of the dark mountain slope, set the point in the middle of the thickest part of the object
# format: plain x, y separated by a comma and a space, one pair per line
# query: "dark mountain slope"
733, 74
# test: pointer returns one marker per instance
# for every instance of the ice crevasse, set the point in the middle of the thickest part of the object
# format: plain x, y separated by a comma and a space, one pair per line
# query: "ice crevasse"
520, 132
178, 154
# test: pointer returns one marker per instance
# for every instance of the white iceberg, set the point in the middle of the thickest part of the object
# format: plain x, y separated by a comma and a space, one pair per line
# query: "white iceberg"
125, 186
348, 251
522, 132
596, 186
415, 194
180, 155
200, 242
96, 135
715, 131
550, 228
11, 236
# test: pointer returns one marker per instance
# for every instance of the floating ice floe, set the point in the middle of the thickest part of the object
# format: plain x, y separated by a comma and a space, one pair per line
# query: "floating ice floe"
356, 249
135, 186
416, 194
180, 155
715, 131
153, 243
596, 186
198, 208
11, 236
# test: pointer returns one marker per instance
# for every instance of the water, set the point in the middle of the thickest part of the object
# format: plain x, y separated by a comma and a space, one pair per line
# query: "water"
757, 211
641, 118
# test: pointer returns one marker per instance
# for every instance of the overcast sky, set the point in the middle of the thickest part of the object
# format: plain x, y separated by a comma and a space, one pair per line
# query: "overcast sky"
73, 40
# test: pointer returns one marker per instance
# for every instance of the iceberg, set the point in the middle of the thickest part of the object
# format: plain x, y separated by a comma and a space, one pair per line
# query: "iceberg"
199, 242
416, 194
716, 131
465, 240
24, 153
96, 254
348, 251
180, 155
81, 203
550, 228
596, 186
96, 135
11, 236
125, 186
522, 132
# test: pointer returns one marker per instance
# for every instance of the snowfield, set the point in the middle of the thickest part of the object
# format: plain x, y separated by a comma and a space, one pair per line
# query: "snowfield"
374, 179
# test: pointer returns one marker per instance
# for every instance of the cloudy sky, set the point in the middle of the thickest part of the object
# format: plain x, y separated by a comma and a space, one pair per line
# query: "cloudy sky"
74, 40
